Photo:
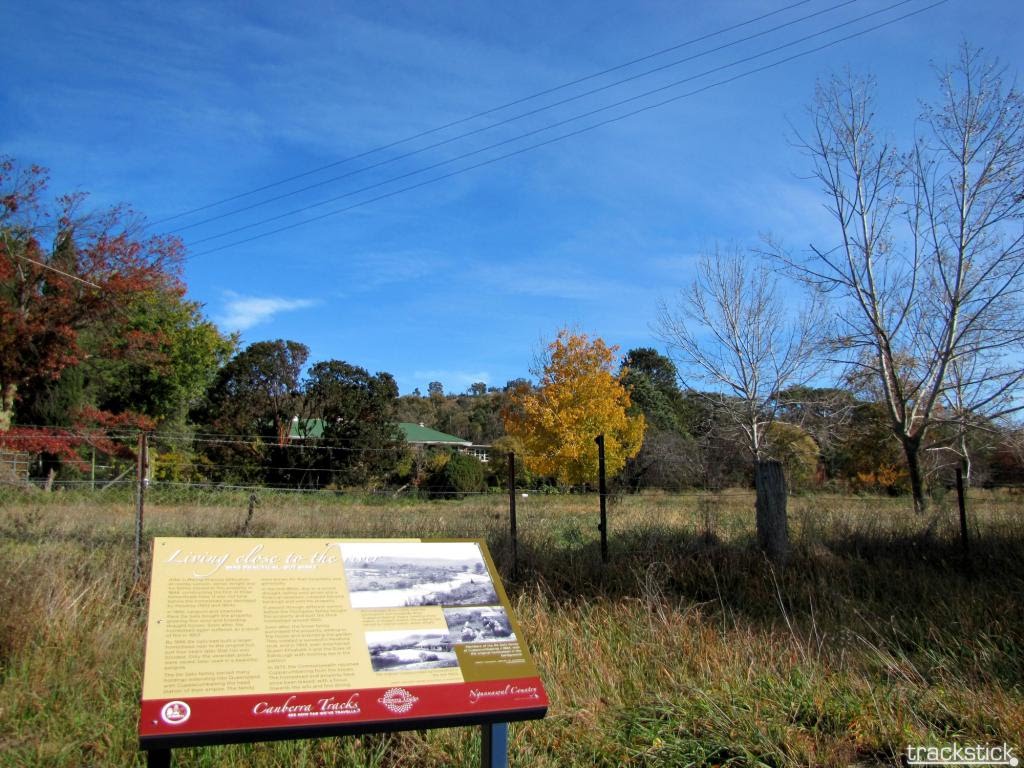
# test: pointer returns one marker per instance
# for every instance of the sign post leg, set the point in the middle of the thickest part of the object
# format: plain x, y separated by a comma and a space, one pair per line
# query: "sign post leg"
158, 758
494, 745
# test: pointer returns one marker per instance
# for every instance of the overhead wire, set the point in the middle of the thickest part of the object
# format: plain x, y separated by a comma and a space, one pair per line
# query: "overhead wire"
520, 116
121, 311
536, 131
484, 113
114, 309
554, 139
52, 268
561, 137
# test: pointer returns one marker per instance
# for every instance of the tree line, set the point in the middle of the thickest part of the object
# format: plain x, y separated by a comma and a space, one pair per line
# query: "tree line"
880, 360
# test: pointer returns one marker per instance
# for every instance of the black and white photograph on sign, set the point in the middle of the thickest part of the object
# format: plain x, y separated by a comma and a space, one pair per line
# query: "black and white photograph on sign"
410, 649
397, 574
489, 624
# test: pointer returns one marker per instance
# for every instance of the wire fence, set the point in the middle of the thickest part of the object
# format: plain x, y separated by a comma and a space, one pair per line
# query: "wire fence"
121, 442
507, 519
103, 459
499, 513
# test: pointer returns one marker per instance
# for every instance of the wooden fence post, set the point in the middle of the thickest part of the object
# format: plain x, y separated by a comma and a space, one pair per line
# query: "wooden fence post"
772, 530
603, 490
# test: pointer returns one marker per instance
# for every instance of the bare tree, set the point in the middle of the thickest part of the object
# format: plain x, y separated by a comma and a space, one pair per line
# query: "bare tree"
976, 402
969, 179
928, 266
736, 336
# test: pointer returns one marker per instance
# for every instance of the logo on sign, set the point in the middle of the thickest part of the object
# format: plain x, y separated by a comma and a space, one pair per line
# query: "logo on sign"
398, 700
175, 712
477, 695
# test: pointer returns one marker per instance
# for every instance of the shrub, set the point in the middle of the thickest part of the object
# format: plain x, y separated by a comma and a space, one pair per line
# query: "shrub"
797, 451
460, 475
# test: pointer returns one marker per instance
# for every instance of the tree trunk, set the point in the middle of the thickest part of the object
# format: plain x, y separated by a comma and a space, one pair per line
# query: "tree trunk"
961, 501
912, 450
7, 393
772, 526
965, 457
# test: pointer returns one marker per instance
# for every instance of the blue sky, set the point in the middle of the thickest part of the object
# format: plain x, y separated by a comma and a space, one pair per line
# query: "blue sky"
171, 106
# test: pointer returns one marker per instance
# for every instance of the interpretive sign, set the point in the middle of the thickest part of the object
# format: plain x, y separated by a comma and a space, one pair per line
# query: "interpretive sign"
253, 639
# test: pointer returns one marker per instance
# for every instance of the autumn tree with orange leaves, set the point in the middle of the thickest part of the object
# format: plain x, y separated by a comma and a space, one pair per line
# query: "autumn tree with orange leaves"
580, 396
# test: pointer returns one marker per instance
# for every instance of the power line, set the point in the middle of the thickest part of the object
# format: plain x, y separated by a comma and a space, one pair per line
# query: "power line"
484, 113
561, 137
52, 268
542, 129
116, 309
520, 116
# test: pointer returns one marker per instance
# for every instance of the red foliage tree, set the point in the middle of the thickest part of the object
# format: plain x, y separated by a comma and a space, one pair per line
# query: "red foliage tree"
62, 271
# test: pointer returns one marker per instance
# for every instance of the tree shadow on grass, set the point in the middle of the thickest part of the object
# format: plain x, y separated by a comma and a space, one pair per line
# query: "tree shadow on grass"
698, 566
912, 594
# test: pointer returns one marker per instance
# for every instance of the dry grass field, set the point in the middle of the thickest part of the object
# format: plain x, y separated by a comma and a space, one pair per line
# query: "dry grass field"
687, 649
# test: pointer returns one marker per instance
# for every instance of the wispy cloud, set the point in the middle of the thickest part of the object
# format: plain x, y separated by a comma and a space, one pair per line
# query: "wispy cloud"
556, 280
380, 268
243, 312
543, 281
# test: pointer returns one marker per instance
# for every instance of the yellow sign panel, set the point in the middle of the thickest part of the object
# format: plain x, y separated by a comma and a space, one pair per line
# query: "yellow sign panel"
264, 625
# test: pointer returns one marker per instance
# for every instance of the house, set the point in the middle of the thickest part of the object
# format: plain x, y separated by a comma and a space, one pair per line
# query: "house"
305, 429
420, 436
416, 435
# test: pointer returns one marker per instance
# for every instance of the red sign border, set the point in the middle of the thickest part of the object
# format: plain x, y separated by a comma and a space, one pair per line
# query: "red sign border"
205, 720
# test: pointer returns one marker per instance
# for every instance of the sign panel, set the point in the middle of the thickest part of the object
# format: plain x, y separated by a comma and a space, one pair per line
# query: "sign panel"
265, 638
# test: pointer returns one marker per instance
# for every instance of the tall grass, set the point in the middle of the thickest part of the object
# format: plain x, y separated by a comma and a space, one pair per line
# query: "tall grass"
687, 649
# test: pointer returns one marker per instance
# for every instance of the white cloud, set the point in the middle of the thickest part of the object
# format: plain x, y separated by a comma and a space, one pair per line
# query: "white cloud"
243, 312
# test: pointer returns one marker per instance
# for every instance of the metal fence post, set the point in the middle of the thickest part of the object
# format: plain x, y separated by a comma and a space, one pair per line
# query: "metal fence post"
140, 501
512, 512
961, 500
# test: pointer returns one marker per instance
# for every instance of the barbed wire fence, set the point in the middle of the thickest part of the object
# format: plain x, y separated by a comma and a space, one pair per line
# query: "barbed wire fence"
129, 465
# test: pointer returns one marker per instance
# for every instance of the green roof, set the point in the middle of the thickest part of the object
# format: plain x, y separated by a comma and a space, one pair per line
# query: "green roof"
413, 433
311, 428
417, 433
